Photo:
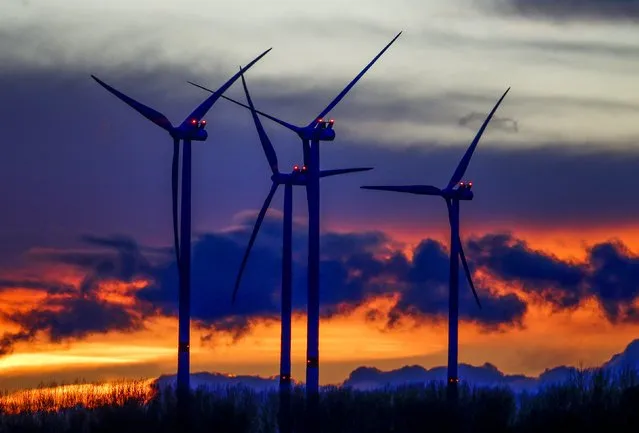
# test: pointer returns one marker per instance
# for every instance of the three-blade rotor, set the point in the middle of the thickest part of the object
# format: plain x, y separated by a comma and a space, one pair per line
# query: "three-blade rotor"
163, 122
271, 156
448, 192
298, 129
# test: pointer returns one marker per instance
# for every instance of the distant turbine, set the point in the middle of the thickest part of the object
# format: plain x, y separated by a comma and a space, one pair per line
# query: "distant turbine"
191, 129
452, 196
297, 177
316, 131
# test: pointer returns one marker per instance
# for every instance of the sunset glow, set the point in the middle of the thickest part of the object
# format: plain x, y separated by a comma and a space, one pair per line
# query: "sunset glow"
88, 270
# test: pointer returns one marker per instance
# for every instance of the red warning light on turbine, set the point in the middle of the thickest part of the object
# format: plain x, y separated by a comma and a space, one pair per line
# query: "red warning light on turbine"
332, 121
295, 168
204, 122
193, 121
319, 120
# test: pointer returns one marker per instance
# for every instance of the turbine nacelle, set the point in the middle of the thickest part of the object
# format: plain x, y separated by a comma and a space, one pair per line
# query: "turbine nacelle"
295, 177
320, 130
192, 129
325, 124
462, 192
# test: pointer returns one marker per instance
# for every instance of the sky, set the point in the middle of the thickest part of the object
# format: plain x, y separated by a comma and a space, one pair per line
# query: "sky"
87, 279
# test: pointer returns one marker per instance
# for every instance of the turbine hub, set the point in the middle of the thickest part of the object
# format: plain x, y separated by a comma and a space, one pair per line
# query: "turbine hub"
192, 129
325, 124
320, 130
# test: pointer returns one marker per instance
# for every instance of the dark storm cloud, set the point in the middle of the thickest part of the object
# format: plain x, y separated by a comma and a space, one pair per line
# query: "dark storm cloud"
614, 280
355, 267
426, 294
511, 259
76, 317
69, 318
10, 339
123, 261
69, 313
610, 274
613, 10
36, 285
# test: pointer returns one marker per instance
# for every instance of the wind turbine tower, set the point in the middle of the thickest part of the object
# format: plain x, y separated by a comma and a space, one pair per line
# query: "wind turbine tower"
455, 192
191, 129
318, 130
297, 177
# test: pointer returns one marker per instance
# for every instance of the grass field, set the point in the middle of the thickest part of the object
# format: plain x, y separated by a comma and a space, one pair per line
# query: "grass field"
591, 401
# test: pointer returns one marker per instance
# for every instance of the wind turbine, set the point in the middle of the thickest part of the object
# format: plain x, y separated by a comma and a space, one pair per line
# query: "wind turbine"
453, 193
297, 177
191, 129
318, 130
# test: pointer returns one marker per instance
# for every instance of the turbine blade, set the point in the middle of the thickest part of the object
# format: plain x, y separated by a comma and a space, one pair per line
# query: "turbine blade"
350, 85
261, 113
460, 248
463, 164
411, 189
258, 223
467, 271
205, 106
326, 173
269, 151
174, 187
154, 116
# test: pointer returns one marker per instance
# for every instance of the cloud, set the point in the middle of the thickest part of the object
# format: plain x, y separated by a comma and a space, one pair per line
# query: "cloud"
614, 280
69, 317
427, 294
70, 313
123, 182
50, 287
123, 262
9, 340
355, 268
557, 281
474, 120
609, 274
75, 318
609, 10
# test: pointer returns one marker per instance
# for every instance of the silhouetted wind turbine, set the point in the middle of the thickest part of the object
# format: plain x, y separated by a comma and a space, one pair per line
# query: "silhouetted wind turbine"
455, 191
191, 129
311, 135
297, 177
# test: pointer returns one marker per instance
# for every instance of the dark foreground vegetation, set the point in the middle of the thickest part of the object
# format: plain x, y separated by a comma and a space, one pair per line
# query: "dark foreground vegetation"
590, 402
